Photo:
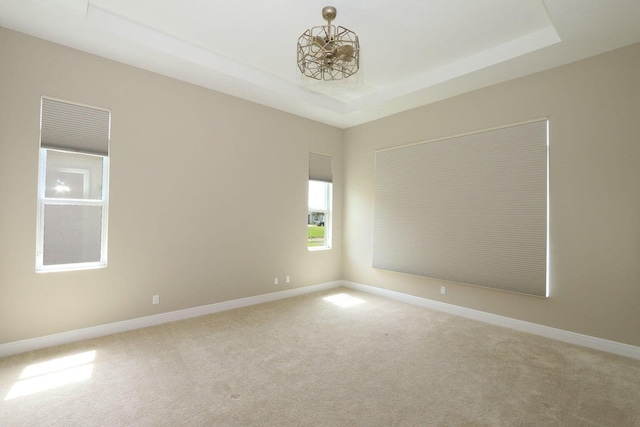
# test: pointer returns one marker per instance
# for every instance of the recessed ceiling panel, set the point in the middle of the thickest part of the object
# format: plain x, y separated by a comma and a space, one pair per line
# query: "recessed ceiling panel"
413, 52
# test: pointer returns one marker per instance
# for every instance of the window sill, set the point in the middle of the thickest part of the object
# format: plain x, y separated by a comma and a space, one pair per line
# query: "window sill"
69, 267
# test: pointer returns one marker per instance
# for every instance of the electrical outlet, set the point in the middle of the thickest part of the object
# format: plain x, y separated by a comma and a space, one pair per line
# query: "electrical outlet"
156, 299
275, 280
443, 290
288, 279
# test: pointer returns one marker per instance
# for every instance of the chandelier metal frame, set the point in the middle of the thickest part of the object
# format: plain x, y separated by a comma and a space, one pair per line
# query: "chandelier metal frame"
327, 52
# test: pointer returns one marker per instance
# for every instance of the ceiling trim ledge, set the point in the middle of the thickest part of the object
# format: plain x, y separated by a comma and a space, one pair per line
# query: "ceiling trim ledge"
140, 34
501, 53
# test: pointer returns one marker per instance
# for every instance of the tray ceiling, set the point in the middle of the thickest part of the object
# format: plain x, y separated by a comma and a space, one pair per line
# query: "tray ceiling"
413, 52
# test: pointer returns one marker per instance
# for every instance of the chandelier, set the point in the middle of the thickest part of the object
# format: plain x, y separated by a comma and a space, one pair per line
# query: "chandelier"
328, 52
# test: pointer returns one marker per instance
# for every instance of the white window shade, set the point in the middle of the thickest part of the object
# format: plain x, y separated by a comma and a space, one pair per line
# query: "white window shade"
320, 167
470, 209
74, 127
72, 234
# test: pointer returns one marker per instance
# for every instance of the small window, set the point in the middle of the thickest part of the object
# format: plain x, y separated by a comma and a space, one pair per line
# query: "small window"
319, 201
73, 187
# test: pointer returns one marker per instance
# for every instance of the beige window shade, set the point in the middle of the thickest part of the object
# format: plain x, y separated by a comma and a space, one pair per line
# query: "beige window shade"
320, 167
72, 234
470, 209
74, 127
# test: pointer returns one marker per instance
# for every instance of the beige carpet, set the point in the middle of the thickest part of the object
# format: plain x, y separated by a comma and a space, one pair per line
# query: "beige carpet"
307, 361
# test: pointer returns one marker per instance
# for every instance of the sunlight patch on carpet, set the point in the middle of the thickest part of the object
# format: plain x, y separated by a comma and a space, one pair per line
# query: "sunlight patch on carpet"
53, 374
343, 300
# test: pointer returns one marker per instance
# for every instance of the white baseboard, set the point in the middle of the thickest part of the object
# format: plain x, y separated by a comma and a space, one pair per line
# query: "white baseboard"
144, 322
23, 346
532, 328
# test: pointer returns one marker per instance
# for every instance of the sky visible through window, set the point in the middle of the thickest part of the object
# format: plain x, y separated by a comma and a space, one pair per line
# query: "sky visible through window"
317, 195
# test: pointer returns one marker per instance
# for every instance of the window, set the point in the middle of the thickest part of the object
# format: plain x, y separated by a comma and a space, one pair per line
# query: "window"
319, 214
319, 201
467, 209
72, 187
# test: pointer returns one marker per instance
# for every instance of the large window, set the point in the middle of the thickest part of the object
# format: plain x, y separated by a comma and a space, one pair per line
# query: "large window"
468, 209
319, 201
72, 186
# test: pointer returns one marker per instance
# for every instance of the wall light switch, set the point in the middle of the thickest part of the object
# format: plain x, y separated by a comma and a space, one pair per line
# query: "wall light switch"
443, 290
156, 299
275, 280
288, 279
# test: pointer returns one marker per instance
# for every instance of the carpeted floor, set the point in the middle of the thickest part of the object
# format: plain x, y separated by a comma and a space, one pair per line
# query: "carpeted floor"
358, 360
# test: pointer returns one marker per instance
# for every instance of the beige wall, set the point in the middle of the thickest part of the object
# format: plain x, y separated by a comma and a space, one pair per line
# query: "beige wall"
594, 112
207, 194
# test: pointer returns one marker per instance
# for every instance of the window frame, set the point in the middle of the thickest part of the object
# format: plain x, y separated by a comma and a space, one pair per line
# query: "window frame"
43, 201
327, 215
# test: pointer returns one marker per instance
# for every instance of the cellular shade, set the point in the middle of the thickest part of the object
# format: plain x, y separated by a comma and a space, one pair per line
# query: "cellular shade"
72, 234
320, 167
74, 127
470, 209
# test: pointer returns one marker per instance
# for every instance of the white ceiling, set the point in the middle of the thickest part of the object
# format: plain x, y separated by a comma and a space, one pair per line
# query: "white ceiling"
413, 52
